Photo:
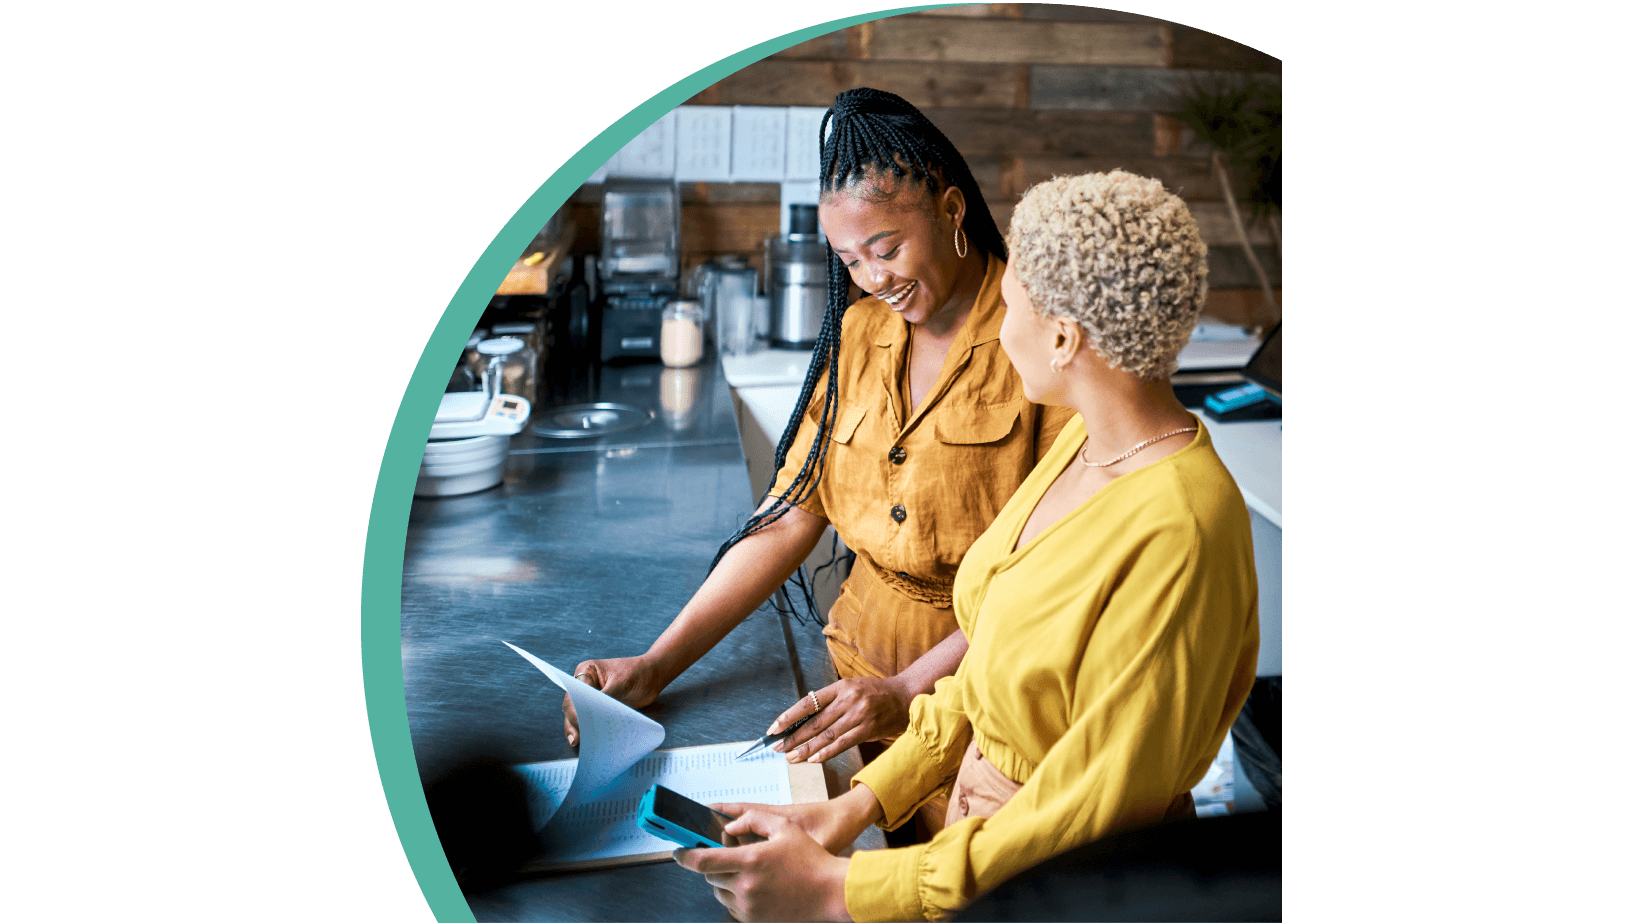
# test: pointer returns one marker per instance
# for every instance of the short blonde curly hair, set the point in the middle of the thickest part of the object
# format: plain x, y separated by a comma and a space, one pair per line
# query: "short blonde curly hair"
1121, 256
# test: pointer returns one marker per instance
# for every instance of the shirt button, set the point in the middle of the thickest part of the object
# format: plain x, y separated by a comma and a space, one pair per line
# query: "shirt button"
896, 455
962, 804
897, 513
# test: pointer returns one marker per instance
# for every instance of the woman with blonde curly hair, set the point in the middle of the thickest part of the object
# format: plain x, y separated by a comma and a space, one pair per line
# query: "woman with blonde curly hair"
1110, 609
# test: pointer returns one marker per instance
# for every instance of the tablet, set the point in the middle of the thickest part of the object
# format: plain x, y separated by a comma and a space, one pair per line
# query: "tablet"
1264, 369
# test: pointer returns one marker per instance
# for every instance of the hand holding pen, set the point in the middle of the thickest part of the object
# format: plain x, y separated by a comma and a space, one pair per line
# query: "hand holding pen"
774, 737
848, 712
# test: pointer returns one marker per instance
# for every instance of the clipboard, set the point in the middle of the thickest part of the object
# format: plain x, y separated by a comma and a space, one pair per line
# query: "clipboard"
808, 785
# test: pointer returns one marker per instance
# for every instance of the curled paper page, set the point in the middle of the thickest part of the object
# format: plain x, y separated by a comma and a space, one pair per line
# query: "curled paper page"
613, 736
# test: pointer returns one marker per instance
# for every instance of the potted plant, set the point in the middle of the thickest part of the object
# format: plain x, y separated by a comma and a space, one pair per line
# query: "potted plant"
1240, 119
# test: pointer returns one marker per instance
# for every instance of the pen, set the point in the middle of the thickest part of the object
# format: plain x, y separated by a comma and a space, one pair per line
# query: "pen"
768, 739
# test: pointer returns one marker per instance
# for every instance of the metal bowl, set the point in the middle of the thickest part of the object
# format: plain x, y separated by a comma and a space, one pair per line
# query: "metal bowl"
586, 421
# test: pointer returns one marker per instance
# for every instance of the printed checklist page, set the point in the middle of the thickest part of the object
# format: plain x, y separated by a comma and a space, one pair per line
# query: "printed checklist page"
587, 808
606, 826
613, 737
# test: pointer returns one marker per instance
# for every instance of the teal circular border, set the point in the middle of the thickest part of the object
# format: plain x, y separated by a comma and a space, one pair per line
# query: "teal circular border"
383, 573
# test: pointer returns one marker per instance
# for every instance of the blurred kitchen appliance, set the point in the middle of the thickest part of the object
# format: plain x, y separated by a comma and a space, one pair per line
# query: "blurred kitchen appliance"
797, 281
571, 323
467, 445
734, 304
638, 270
702, 284
632, 326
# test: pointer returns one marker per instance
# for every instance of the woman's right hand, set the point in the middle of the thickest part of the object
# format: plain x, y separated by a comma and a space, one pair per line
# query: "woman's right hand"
834, 824
632, 680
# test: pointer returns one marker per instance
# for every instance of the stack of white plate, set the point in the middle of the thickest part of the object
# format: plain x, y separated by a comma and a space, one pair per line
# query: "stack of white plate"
451, 467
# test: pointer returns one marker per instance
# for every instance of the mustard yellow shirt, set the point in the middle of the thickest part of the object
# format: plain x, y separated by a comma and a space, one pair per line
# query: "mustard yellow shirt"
1108, 658
909, 489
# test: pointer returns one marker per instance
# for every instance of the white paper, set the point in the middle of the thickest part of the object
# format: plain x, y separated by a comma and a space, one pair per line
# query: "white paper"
1218, 786
587, 808
613, 737
606, 826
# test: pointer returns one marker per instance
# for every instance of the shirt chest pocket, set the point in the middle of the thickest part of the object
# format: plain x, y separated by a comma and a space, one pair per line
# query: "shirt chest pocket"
975, 425
848, 420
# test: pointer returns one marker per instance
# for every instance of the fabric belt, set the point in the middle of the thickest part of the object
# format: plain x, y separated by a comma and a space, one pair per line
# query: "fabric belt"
931, 592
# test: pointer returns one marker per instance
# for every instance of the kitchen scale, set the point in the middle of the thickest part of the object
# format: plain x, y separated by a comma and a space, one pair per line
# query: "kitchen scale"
462, 414
467, 446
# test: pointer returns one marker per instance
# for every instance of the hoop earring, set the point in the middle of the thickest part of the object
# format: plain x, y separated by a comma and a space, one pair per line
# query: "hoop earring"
960, 241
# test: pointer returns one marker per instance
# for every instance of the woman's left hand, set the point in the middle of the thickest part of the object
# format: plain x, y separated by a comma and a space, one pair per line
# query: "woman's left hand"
851, 711
787, 877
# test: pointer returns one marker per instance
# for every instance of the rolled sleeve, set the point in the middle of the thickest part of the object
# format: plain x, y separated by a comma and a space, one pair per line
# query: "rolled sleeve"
881, 884
920, 765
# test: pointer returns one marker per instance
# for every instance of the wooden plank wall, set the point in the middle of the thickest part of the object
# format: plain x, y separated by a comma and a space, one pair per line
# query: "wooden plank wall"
1025, 92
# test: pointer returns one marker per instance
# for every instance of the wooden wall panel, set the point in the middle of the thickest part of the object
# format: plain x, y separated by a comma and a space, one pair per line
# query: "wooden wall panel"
1193, 48
1243, 306
1059, 12
1024, 132
1213, 219
979, 11
833, 46
729, 228
1107, 89
1227, 267
923, 38
779, 82
1025, 92
1189, 179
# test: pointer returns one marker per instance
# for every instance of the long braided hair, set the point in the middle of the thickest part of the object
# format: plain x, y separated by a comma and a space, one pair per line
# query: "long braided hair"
872, 133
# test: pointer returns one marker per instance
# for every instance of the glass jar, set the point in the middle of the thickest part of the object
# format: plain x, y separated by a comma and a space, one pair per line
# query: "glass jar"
510, 367
683, 333
735, 304
531, 332
472, 359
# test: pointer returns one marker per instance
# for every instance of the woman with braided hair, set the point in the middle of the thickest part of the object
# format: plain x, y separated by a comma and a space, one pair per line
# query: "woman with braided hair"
911, 432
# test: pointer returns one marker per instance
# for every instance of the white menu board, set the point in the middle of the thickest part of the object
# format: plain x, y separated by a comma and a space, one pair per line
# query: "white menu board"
803, 142
652, 154
703, 143
759, 144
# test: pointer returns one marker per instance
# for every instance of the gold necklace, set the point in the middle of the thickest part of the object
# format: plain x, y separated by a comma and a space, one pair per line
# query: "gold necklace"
1082, 454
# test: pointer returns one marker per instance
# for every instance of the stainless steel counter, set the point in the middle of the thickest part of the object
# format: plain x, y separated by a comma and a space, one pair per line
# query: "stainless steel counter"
588, 548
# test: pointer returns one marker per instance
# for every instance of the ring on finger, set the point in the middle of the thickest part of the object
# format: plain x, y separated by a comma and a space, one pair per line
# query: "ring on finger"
816, 700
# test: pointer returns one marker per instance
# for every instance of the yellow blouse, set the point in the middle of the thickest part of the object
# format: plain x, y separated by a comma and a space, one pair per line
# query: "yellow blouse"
1108, 658
910, 489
